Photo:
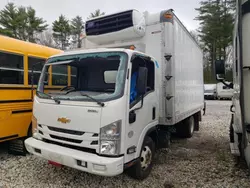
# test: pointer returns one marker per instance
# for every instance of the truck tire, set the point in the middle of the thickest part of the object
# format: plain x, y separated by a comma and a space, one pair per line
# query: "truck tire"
231, 130
143, 166
204, 109
186, 129
241, 146
196, 122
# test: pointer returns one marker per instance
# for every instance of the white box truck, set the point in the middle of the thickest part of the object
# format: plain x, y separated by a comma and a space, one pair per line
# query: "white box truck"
120, 104
240, 108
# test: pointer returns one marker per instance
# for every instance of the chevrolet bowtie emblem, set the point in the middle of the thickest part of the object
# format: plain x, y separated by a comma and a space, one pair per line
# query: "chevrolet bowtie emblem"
63, 120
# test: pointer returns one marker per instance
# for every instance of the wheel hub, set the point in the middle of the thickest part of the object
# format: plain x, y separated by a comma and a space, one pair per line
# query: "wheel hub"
146, 157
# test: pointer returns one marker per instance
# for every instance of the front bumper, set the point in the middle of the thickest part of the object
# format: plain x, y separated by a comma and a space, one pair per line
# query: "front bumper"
93, 163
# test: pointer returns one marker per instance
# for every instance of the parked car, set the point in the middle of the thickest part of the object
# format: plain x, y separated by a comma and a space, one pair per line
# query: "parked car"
224, 92
210, 91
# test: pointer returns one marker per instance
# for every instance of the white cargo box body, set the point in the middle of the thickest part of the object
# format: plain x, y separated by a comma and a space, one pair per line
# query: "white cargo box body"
178, 56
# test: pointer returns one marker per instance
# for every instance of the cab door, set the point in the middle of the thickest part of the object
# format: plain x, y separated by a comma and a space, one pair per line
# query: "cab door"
142, 110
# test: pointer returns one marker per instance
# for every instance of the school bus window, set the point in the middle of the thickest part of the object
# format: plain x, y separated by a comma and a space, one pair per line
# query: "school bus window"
59, 75
74, 76
11, 68
37, 68
38, 62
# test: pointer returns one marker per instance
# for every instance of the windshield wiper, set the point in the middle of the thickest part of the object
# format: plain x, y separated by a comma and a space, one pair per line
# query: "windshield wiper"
50, 97
98, 102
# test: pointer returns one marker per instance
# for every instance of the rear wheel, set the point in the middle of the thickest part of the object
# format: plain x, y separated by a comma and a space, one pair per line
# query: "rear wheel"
144, 164
186, 129
231, 131
196, 122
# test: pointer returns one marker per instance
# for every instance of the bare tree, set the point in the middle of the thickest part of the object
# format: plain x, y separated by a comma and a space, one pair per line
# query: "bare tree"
46, 38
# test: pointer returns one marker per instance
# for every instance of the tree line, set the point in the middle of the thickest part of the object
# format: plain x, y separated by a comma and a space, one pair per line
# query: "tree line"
216, 19
22, 23
214, 35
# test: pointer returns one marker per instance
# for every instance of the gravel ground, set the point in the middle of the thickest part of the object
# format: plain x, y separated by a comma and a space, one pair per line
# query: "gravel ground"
202, 161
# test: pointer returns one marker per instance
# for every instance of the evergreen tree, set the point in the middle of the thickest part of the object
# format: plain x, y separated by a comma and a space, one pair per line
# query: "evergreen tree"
195, 36
35, 24
61, 32
20, 22
96, 14
77, 26
9, 21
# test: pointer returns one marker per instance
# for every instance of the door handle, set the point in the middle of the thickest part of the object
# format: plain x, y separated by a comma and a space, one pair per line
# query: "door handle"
132, 117
231, 108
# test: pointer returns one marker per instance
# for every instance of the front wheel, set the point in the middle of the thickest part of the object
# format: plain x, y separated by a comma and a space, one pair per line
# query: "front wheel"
144, 164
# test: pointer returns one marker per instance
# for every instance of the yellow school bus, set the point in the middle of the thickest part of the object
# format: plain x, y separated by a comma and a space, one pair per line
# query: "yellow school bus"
16, 60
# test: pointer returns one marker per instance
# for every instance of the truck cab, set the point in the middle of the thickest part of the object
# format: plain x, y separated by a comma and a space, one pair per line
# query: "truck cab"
102, 113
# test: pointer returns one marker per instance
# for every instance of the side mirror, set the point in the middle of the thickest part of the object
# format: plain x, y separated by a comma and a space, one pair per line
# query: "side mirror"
219, 69
141, 84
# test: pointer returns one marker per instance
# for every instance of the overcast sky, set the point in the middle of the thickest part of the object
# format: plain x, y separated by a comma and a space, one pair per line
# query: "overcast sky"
51, 9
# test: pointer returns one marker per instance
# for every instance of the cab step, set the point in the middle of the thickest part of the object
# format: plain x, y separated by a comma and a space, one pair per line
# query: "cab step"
234, 149
17, 147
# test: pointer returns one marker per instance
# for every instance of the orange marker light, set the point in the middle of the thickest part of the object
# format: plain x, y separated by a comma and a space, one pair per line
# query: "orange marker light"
132, 47
168, 16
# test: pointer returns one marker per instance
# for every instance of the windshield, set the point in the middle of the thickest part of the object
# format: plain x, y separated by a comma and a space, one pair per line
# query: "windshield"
88, 77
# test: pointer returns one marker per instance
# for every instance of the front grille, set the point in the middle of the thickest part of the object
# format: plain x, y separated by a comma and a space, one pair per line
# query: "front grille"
66, 139
108, 24
79, 133
70, 146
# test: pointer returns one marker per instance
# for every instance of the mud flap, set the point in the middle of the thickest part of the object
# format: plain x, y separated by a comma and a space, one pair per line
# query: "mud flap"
164, 139
204, 109
197, 119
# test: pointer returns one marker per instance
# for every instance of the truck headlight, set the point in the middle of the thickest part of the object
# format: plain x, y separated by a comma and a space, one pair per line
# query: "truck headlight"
110, 139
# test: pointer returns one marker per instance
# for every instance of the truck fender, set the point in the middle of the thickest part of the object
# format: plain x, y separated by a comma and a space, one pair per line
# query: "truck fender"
146, 131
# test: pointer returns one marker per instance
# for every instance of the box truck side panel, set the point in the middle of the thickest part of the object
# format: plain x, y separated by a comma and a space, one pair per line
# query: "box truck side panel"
189, 88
